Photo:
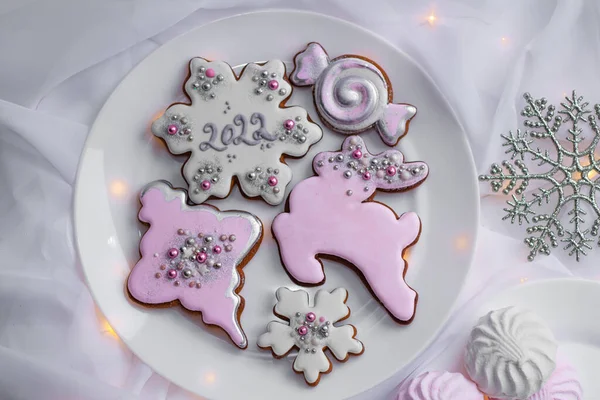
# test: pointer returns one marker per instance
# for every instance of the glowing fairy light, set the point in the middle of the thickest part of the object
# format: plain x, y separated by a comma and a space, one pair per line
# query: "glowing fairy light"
118, 188
431, 19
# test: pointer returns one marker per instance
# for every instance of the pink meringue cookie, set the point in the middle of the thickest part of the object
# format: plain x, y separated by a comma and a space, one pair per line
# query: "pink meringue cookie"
440, 386
563, 384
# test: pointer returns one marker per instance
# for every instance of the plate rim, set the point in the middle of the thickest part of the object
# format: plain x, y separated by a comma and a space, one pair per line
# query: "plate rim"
463, 137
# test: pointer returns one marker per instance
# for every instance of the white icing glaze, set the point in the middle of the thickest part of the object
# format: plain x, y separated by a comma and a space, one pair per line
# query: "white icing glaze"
321, 333
511, 352
439, 386
233, 131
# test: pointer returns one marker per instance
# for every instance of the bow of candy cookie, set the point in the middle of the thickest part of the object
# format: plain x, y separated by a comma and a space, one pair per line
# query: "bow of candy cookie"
311, 330
193, 255
237, 127
328, 215
352, 94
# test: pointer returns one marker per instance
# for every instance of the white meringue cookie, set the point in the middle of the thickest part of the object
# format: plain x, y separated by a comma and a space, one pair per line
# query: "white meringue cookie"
440, 386
511, 352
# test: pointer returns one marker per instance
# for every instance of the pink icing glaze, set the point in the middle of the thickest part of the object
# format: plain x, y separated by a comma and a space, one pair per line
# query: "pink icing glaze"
166, 212
328, 215
439, 386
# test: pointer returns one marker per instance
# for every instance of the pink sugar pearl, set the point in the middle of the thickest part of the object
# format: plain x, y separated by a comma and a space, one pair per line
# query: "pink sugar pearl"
172, 274
289, 124
201, 257
321, 319
272, 181
273, 84
367, 175
357, 154
210, 73
380, 174
391, 170
173, 252
310, 317
303, 330
205, 185
172, 129
217, 249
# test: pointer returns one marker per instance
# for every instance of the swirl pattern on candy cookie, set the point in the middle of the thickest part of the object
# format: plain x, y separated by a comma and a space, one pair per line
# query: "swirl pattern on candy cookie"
352, 94
237, 127
311, 330
194, 255
329, 215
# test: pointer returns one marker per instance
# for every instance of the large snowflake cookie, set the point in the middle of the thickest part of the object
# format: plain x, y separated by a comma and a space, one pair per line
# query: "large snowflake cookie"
237, 128
330, 214
311, 330
194, 255
352, 94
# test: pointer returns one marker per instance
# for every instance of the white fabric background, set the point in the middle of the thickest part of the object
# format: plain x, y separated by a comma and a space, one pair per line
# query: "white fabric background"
61, 59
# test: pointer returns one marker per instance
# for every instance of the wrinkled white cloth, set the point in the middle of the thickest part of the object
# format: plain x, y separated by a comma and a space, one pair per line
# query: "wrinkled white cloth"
62, 58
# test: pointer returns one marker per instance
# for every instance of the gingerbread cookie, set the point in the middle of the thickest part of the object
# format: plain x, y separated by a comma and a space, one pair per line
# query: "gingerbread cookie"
330, 214
352, 94
194, 255
236, 127
311, 330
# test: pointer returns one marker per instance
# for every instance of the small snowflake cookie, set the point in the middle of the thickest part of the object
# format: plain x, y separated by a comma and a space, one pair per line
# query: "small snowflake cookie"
237, 127
194, 255
311, 331
330, 214
352, 94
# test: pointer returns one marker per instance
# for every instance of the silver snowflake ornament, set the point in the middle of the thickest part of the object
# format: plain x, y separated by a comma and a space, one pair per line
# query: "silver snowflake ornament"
568, 178
311, 330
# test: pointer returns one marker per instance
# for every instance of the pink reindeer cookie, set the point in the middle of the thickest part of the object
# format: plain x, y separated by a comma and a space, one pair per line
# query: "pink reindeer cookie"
194, 255
331, 215
352, 94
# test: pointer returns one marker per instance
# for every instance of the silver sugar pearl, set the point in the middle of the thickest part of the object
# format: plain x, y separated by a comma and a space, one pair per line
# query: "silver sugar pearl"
276, 190
257, 169
336, 167
307, 350
206, 86
203, 249
313, 351
282, 92
208, 239
302, 139
201, 170
264, 74
366, 189
263, 187
347, 174
273, 75
282, 138
270, 97
184, 120
263, 82
269, 170
187, 131
190, 241
175, 117
297, 314
232, 238
275, 171
190, 138
251, 176
339, 158
212, 95
319, 163
298, 118
201, 77
258, 90
219, 169
187, 273
223, 238
202, 69
196, 177
196, 85
299, 126
288, 132
215, 179
218, 265
305, 130
330, 159
255, 78
349, 192
220, 77
196, 190
209, 170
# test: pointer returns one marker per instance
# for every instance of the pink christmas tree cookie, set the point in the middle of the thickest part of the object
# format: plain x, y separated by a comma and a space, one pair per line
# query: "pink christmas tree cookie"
352, 94
194, 255
236, 130
330, 214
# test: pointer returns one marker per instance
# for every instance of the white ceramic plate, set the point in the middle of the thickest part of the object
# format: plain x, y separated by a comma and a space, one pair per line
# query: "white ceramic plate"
121, 156
569, 306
